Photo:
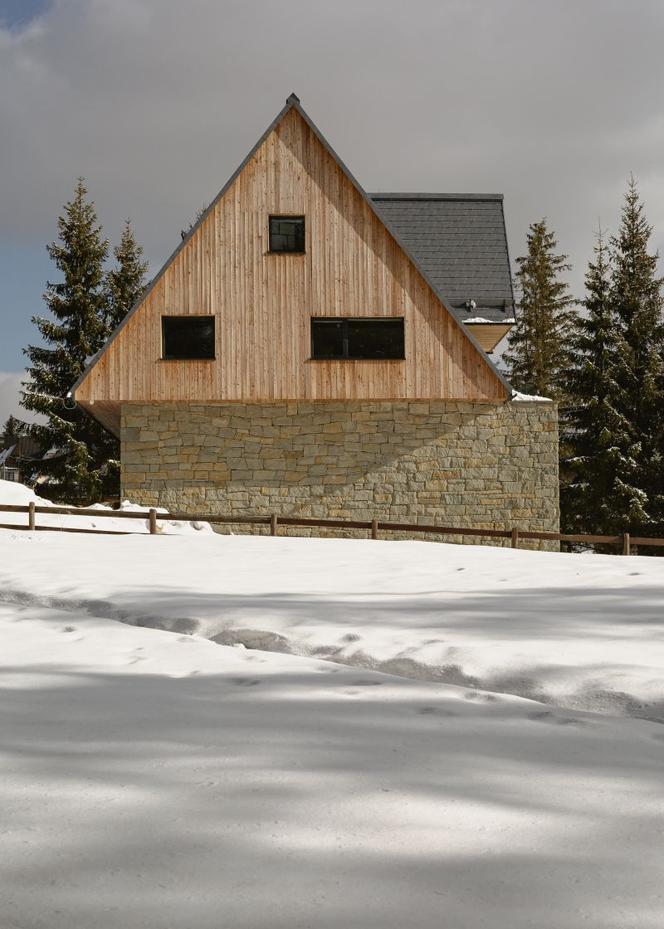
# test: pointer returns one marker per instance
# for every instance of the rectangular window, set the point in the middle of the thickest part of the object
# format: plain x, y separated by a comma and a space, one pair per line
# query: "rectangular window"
187, 338
287, 234
357, 338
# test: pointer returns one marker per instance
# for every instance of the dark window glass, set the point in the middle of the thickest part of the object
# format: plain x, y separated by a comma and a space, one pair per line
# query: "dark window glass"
188, 337
286, 233
327, 338
357, 338
375, 338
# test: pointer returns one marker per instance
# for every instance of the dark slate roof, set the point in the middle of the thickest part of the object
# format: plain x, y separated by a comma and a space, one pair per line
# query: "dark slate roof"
25, 448
459, 241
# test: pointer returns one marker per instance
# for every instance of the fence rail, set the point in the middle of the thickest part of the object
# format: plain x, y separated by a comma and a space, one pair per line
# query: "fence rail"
624, 541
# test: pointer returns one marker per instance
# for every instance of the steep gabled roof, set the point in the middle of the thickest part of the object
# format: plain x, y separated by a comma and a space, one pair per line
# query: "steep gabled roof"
293, 102
459, 241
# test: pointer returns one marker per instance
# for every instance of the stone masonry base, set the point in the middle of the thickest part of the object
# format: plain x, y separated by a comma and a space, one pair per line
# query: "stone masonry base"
458, 464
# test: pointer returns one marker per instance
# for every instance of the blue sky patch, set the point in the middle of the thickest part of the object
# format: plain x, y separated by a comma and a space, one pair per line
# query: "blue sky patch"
16, 14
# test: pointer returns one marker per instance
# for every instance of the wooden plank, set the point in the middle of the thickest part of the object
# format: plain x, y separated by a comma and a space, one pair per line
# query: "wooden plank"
446, 530
304, 522
39, 528
75, 511
565, 537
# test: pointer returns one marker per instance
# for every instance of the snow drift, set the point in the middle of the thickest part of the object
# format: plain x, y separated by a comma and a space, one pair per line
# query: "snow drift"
16, 494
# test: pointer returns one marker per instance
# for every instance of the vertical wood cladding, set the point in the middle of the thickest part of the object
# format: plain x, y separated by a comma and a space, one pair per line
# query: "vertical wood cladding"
263, 302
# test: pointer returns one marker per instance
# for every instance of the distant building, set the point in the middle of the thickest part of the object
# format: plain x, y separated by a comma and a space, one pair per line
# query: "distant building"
14, 457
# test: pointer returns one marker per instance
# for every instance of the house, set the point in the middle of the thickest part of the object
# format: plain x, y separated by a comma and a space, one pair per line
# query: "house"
312, 349
15, 455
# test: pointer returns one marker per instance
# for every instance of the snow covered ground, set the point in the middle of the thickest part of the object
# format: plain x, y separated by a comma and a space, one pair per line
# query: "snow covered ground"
580, 631
155, 779
16, 494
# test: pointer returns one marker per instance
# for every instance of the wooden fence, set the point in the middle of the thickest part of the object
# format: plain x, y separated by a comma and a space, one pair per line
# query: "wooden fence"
623, 542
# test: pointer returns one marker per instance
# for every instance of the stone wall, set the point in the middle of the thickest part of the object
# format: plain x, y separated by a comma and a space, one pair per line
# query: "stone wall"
454, 463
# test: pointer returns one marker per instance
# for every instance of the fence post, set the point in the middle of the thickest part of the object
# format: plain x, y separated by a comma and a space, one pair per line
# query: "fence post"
627, 546
152, 519
31, 516
515, 537
374, 528
274, 524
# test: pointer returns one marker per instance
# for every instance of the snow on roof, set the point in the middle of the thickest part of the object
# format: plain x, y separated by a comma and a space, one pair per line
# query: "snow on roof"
529, 398
493, 322
6, 454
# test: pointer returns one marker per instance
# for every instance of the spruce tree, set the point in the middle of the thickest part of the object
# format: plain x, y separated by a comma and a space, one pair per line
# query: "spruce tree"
12, 432
77, 468
538, 351
125, 282
636, 297
597, 441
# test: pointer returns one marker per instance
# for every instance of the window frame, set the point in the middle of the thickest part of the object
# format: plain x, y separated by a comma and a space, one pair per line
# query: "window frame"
168, 316
345, 320
291, 216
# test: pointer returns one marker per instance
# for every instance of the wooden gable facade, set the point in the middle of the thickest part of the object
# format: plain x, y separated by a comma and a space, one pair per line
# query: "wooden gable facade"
263, 302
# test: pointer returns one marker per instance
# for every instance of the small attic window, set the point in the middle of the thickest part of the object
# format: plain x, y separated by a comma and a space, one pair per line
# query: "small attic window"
187, 338
287, 234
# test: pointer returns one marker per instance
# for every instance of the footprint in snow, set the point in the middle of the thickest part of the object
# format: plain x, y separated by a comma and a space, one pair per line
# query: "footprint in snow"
480, 697
547, 716
433, 711
350, 637
69, 629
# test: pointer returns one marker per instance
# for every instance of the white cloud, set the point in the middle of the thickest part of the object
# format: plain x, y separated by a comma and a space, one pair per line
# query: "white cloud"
157, 101
10, 384
10, 387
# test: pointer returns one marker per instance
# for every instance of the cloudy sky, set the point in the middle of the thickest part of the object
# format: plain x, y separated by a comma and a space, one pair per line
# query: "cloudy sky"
155, 102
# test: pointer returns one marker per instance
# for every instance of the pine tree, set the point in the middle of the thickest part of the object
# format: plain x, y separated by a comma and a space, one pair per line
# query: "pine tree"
126, 282
636, 297
538, 350
12, 432
78, 466
597, 441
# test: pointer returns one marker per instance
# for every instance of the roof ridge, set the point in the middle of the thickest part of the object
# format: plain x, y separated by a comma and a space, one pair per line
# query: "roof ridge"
391, 195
